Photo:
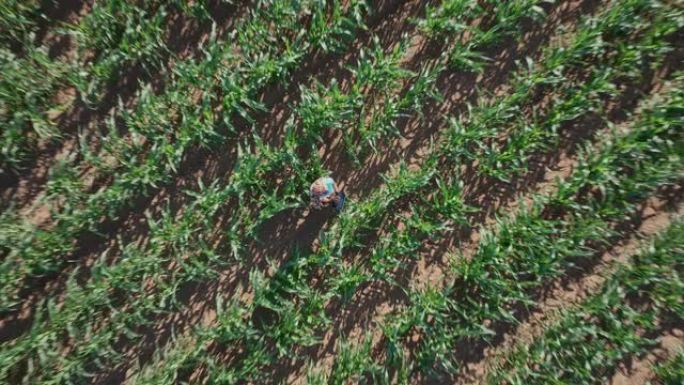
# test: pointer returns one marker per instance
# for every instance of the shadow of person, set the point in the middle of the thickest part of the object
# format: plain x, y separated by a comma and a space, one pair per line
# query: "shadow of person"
286, 238
292, 229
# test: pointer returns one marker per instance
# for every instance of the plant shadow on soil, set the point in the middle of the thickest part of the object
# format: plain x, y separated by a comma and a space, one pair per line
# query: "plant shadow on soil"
472, 351
486, 193
184, 38
290, 229
282, 233
483, 192
131, 223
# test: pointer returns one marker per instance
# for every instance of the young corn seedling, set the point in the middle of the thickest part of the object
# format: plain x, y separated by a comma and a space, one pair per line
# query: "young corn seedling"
162, 157
354, 362
671, 371
178, 239
451, 17
589, 341
525, 251
27, 88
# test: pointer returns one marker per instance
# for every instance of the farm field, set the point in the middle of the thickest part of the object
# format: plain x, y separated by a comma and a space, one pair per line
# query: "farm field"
514, 173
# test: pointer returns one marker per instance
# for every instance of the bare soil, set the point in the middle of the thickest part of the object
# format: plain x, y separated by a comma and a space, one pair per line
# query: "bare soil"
299, 229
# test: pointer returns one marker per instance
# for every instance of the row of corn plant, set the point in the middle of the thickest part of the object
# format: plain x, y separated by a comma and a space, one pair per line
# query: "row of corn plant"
293, 334
28, 91
475, 137
107, 35
117, 299
257, 353
18, 20
28, 83
448, 204
352, 362
119, 35
314, 113
378, 110
381, 121
590, 340
448, 207
30, 79
180, 240
417, 225
244, 174
162, 127
310, 116
318, 110
368, 111
497, 20
298, 326
507, 158
671, 371
522, 253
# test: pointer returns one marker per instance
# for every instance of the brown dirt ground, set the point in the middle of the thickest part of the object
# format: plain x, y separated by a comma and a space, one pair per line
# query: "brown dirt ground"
299, 227
565, 293
365, 314
639, 370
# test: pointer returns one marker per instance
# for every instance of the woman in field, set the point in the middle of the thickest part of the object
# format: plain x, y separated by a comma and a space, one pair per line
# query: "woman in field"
324, 192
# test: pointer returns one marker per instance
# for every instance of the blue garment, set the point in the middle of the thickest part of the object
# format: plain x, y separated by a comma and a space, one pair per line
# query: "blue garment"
340, 202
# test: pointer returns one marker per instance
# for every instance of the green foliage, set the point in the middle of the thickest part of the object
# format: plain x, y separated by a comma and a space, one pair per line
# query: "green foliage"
215, 98
18, 18
670, 372
590, 341
27, 88
523, 252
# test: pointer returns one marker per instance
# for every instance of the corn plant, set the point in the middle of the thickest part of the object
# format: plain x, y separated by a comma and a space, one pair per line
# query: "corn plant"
18, 19
525, 251
168, 234
588, 342
450, 17
354, 362
122, 34
148, 163
344, 235
27, 87
449, 21
671, 371
506, 20
370, 109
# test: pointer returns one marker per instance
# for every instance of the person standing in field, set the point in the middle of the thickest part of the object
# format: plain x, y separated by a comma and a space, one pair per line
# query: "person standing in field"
324, 192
